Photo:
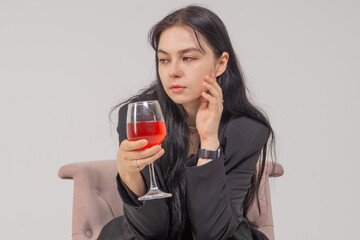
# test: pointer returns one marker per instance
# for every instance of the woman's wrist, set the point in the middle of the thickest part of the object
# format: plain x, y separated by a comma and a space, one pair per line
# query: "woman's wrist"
134, 182
212, 145
202, 161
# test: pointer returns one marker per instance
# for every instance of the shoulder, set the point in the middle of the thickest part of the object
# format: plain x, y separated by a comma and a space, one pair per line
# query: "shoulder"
246, 127
245, 134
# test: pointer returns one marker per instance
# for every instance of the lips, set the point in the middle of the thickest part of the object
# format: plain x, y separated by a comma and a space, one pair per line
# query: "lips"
177, 88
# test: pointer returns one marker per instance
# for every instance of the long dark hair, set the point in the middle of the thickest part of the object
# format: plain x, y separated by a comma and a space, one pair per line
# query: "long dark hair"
236, 103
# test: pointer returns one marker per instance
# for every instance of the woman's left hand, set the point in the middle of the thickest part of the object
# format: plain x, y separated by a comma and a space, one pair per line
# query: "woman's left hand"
209, 113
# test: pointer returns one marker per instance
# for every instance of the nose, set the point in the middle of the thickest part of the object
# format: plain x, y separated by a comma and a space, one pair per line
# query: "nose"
175, 70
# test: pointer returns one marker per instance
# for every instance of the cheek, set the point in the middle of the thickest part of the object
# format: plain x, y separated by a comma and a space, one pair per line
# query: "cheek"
204, 67
197, 73
162, 78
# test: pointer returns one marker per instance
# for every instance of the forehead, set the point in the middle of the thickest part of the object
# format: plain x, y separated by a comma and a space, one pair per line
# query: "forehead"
179, 37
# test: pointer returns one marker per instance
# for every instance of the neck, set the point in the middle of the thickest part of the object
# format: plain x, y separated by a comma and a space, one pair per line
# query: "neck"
191, 110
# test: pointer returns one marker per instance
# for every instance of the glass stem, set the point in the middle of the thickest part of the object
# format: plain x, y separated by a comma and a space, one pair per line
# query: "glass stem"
153, 185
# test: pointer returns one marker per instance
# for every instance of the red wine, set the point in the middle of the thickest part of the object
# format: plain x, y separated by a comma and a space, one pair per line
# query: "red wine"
154, 132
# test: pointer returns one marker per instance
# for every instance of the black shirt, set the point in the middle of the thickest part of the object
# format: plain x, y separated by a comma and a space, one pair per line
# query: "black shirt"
215, 191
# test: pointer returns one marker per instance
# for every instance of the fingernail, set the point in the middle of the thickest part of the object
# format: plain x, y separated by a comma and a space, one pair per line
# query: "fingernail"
157, 148
205, 83
143, 142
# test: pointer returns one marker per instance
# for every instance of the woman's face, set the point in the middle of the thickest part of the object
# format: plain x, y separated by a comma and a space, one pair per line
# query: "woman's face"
183, 65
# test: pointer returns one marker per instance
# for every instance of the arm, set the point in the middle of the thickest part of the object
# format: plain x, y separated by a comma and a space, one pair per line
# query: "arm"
216, 190
148, 219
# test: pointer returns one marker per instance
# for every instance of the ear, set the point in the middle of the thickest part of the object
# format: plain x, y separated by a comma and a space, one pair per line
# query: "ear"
222, 64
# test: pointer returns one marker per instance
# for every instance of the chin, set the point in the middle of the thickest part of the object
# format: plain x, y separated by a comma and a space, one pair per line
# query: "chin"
178, 101
183, 100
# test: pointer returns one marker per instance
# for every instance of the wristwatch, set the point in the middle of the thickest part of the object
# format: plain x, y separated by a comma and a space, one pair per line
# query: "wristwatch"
203, 153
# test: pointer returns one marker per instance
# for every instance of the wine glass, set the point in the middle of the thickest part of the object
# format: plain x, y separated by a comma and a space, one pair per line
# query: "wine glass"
145, 121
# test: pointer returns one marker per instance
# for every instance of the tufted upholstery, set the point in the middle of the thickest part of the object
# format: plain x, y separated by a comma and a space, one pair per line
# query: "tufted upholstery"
96, 200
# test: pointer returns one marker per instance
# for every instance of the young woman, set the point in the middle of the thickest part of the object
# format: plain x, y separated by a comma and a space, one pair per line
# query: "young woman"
203, 98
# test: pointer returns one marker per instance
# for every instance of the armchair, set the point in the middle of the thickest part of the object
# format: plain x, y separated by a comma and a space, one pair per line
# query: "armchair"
96, 200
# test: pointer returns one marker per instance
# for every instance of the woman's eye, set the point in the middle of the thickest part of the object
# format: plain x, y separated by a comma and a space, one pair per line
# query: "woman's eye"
163, 60
188, 59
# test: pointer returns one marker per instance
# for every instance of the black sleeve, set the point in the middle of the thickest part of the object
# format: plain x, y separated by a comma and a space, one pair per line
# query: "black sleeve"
126, 194
216, 190
148, 219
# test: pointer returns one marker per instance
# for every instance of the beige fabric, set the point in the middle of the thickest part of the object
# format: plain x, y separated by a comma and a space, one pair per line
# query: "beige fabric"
97, 201
264, 222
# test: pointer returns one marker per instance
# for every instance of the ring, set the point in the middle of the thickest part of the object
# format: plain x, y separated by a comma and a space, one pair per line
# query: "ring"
137, 166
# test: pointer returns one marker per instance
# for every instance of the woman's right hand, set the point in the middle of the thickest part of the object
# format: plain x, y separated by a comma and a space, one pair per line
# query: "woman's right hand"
130, 161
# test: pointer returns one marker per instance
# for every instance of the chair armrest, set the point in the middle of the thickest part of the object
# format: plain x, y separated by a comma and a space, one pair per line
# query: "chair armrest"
68, 171
96, 200
264, 222
273, 169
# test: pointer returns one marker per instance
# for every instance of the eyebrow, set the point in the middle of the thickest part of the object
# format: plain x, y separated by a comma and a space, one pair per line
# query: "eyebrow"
183, 51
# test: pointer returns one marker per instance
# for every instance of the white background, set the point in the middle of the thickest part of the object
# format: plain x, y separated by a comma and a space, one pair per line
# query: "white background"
64, 64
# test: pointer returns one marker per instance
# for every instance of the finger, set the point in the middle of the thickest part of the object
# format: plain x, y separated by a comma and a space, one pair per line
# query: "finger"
211, 99
213, 105
145, 161
131, 155
212, 81
203, 103
212, 95
211, 78
133, 145
213, 90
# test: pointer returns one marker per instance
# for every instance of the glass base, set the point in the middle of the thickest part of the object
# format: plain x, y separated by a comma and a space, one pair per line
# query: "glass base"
154, 194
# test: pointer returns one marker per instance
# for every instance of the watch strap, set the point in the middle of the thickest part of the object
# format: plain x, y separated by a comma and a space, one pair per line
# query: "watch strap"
204, 153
